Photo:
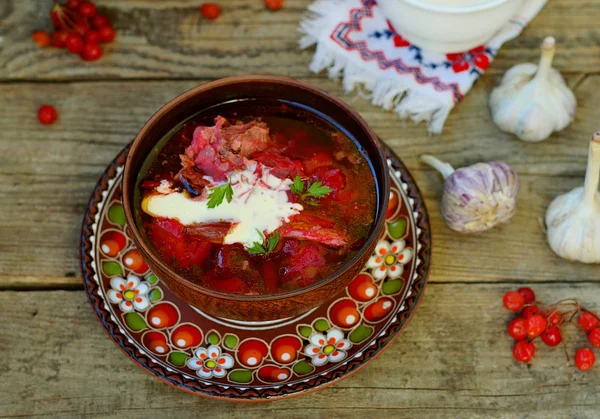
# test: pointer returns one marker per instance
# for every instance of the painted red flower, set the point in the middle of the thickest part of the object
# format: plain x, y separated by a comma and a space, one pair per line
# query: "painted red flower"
462, 61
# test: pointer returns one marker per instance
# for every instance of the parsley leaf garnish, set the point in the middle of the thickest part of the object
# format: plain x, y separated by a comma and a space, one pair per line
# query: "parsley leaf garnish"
316, 190
216, 195
265, 246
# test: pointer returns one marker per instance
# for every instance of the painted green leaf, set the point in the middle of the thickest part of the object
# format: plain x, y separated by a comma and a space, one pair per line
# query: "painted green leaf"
303, 368
360, 333
397, 228
321, 325
178, 358
213, 339
305, 331
391, 287
135, 322
240, 376
112, 268
155, 295
152, 279
116, 214
230, 341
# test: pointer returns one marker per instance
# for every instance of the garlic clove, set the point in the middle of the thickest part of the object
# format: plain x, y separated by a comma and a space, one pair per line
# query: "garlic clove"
573, 219
478, 197
533, 101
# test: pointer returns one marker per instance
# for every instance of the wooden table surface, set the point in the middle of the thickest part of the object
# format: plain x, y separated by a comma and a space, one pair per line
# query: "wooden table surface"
454, 359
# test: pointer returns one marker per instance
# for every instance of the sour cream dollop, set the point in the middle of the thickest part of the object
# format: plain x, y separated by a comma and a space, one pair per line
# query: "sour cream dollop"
260, 203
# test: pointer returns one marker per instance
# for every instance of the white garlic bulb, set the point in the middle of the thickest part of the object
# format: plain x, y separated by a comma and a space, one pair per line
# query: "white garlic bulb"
533, 101
478, 197
573, 219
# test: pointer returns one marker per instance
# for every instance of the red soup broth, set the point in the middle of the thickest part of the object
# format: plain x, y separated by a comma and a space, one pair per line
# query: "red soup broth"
289, 141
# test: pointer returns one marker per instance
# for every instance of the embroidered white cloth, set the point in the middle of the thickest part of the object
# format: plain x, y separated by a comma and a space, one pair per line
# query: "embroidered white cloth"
355, 40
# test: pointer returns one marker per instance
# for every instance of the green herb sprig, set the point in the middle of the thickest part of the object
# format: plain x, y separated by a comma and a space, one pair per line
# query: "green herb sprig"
266, 246
217, 194
316, 190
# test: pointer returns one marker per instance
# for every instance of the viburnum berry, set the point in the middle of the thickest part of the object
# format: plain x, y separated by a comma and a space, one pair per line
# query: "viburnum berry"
552, 336
74, 43
536, 324
210, 11
530, 311
59, 38
73, 4
100, 21
524, 351
92, 37
274, 4
41, 38
554, 317
517, 328
47, 114
513, 301
91, 52
87, 9
588, 321
107, 34
584, 359
594, 337
527, 294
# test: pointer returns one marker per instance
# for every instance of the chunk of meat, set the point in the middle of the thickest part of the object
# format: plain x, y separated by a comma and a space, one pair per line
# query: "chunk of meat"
213, 232
190, 177
281, 166
331, 177
302, 267
307, 231
218, 149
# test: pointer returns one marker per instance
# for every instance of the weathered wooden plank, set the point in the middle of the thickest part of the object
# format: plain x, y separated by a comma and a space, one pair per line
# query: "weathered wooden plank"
48, 172
167, 40
453, 360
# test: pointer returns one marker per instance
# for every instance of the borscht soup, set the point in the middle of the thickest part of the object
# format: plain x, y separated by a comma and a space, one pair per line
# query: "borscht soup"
256, 197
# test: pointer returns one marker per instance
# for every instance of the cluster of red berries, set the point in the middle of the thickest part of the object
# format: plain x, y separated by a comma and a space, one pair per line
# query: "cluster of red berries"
211, 11
546, 322
77, 28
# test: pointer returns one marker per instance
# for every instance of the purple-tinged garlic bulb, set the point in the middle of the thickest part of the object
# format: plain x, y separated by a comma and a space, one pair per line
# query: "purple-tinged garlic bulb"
573, 219
478, 197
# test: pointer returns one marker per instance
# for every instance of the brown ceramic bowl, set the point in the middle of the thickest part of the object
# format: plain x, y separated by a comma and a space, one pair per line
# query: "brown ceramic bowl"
254, 307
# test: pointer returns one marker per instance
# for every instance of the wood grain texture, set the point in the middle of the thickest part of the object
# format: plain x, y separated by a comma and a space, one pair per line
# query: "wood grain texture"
48, 172
167, 39
453, 360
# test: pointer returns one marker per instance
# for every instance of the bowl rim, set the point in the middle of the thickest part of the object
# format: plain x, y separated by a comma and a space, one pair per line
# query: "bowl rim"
485, 5
383, 185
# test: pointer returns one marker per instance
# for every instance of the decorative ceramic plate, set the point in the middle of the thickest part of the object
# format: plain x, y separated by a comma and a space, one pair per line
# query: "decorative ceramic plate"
237, 360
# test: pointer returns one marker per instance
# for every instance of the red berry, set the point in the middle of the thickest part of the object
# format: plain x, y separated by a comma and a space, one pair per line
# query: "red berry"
100, 21
73, 4
554, 317
274, 4
594, 337
92, 37
210, 11
513, 301
87, 9
41, 38
47, 114
524, 351
584, 359
517, 328
57, 16
529, 311
587, 321
552, 336
536, 325
527, 294
74, 43
59, 38
91, 52
107, 34
81, 26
